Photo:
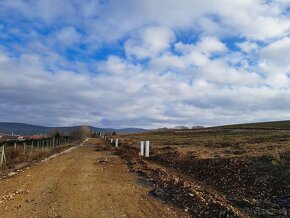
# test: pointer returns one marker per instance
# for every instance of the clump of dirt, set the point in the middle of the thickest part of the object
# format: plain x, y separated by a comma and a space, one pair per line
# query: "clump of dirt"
11, 195
249, 184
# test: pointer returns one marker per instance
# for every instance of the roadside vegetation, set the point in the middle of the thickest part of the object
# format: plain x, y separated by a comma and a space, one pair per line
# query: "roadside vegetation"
23, 153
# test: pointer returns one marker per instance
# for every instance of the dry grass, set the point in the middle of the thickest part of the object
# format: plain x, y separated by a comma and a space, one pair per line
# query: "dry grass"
17, 158
212, 143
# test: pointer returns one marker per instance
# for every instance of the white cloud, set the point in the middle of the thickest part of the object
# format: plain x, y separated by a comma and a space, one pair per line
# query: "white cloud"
137, 97
247, 46
68, 36
172, 62
113, 19
210, 45
274, 60
277, 53
149, 42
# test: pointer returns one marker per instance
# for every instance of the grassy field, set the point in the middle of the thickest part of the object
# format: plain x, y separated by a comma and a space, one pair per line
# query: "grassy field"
249, 164
263, 125
220, 142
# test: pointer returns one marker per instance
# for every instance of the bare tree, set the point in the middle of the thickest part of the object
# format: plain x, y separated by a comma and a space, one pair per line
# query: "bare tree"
80, 132
54, 133
86, 131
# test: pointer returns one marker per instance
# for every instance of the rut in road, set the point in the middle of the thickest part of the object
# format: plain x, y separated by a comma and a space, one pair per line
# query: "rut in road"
83, 183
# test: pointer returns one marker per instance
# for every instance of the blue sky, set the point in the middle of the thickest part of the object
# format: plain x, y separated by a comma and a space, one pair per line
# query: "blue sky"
140, 63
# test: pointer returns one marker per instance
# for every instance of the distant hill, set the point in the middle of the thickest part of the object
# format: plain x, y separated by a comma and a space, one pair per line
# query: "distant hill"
263, 125
28, 129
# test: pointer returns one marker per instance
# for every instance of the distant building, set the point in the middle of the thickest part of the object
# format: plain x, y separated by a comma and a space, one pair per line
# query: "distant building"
7, 137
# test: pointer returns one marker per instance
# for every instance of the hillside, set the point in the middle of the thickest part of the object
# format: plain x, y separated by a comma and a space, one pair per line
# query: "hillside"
28, 129
263, 125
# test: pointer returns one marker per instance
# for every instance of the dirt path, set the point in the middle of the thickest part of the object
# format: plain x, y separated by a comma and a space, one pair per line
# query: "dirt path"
83, 183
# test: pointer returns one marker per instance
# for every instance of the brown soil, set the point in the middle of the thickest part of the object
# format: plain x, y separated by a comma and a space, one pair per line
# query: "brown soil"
83, 183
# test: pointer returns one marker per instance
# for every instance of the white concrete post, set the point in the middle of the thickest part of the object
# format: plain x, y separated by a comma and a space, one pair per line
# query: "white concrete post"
111, 141
31, 144
147, 148
116, 143
142, 148
3, 157
15, 145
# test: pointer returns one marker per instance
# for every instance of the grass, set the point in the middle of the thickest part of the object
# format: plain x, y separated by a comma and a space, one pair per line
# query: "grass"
255, 159
16, 158
265, 125
220, 142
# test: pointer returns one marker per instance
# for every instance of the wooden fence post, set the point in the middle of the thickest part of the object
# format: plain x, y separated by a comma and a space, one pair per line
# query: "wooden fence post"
24, 147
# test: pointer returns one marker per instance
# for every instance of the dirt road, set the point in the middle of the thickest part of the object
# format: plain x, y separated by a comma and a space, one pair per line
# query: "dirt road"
83, 183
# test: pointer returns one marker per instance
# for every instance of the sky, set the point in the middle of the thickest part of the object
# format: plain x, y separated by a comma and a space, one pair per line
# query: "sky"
144, 63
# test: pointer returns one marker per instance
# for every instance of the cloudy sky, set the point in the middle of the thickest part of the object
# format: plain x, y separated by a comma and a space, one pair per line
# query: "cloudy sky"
144, 63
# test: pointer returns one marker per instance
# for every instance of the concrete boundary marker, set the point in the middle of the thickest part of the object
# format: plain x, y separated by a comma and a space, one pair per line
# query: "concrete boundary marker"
3, 157
142, 148
147, 148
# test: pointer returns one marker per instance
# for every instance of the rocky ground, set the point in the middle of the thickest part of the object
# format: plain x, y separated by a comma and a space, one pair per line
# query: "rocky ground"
255, 187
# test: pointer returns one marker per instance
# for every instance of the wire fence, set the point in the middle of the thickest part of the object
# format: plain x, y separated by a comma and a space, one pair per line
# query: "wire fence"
17, 150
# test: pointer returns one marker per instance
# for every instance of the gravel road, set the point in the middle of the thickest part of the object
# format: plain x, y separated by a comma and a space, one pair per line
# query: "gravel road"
82, 183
